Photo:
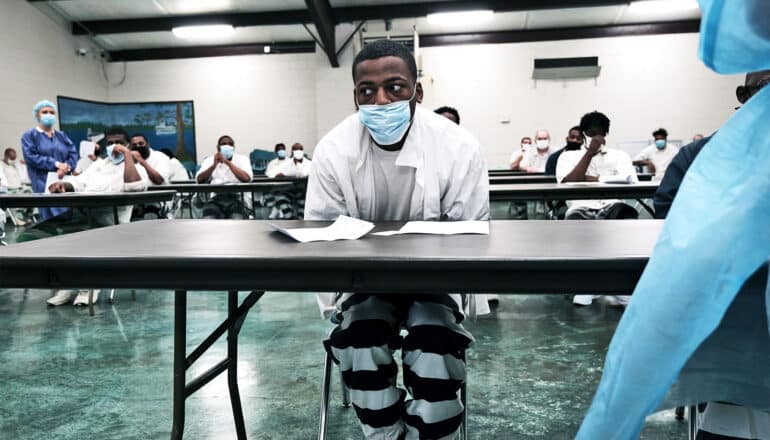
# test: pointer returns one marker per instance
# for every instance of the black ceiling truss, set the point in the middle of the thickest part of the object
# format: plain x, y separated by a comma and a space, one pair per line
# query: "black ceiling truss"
169, 53
321, 12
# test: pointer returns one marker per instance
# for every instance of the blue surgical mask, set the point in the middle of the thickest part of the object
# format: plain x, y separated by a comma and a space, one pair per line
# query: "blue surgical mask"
116, 160
47, 120
227, 151
660, 144
387, 123
281, 154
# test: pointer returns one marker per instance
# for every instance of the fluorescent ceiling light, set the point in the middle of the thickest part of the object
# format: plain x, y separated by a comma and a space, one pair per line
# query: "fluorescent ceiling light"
204, 31
460, 18
653, 6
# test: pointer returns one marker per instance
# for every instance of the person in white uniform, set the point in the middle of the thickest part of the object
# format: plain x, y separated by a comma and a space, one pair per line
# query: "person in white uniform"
273, 169
657, 156
225, 167
158, 171
117, 172
534, 160
395, 161
177, 170
590, 164
518, 154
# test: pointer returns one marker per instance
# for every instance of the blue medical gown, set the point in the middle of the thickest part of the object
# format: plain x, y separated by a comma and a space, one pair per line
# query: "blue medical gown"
41, 154
697, 326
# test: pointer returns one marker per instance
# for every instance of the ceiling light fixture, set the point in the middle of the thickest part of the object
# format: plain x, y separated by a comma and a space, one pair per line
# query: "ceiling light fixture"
657, 6
203, 31
460, 18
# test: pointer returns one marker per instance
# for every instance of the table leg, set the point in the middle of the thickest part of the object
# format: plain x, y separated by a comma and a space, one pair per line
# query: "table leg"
115, 213
180, 362
232, 370
646, 207
90, 218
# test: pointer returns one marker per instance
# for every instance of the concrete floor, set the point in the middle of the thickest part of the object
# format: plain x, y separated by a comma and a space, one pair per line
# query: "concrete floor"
67, 375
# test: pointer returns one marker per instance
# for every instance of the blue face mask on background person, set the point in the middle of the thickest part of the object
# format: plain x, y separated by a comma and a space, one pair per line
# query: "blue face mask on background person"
660, 144
387, 123
281, 154
227, 151
117, 160
47, 120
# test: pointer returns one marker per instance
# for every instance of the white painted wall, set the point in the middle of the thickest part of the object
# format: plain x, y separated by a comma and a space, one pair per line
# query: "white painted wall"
646, 82
259, 100
39, 62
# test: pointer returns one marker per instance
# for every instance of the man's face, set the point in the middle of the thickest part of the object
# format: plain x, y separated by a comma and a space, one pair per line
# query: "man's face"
384, 81
542, 140
659, 137
575, 136
11, 156
117, 139
139, 143
227, 140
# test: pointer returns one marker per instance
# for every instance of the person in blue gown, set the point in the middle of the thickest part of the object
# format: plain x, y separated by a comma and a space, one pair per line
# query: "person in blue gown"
47, 150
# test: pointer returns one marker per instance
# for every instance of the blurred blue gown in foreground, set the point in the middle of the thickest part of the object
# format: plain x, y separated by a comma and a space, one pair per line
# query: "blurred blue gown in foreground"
688, 336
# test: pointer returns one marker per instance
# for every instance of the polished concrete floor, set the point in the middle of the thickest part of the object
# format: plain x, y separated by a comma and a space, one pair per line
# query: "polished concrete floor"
67, 375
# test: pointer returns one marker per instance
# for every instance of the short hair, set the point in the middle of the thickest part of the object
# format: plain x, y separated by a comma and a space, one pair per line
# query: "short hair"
526, 137
660, 132
575, 128
451, 110
385, 48
595, 119
279, 144
167, 152
141, 135
116, 131
219, 141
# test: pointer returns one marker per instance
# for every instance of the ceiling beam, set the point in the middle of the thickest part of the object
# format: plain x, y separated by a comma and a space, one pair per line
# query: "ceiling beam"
170, 53
340, 15
321, 13
672, 27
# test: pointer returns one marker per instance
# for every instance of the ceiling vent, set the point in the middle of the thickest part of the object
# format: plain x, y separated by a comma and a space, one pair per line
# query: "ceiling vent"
566, 68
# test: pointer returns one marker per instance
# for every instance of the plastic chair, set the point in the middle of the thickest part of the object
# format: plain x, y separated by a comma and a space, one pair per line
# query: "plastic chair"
325, 391
259, 160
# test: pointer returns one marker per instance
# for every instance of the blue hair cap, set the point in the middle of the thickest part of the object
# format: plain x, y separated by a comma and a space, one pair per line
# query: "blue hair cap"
41, 104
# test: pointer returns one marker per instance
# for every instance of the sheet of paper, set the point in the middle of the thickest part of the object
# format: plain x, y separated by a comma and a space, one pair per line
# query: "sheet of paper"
616, 179
53, 177
441, 228
87, 148
344, 228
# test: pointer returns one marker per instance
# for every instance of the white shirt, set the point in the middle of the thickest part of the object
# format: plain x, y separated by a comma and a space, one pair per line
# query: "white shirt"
160, 163
659, 158
450, 177
10, 174
273, 167
609, 162
290, 168
534, 161
222, 173
83, 164
3, 179
23, 173
178, 171
104, 176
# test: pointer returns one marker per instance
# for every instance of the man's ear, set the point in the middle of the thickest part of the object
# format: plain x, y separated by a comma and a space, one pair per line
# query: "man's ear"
355, 101
742, 94
418, 95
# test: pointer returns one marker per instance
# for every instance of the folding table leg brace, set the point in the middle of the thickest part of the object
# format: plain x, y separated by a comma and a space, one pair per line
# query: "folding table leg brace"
232, 325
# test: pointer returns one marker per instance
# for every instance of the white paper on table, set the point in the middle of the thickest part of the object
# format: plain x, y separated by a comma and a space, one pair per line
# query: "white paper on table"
53, 177
441, 228
87, 148
616, 179
344, 228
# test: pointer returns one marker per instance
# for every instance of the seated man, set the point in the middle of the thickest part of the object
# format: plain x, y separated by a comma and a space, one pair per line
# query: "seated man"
535, 159
589, 164
657, 156
222, 168
518, 153
117, 172
395, 161
574, 140
274, 166
158, 171
297, 166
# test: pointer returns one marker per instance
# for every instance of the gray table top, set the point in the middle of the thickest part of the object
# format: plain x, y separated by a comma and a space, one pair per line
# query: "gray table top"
520, 178
230, 187
526, 257
564, 191
504, 172
83, 200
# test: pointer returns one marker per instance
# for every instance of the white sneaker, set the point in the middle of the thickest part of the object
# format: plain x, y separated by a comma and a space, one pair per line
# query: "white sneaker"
82, 298
617, 300
61, 297
583, 300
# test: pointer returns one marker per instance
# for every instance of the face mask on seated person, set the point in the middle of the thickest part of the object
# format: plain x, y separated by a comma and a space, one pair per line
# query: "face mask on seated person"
143, 151
660, 144
281, 154
116, 160
571, 145
298, 154
227, 151
387, 123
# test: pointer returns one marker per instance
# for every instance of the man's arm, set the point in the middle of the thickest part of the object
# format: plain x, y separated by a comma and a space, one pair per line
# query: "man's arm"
204, 174
516, 160
152, 173
130, 174
578, 173
241, 174
325, 199
468, 193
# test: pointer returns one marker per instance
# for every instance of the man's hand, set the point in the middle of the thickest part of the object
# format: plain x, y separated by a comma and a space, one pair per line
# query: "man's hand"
219, 158
650, 166
137, 156
597, 142
121, 149
57, 187
62, 169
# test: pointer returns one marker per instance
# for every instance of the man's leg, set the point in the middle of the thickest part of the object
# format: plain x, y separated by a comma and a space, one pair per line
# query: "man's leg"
362, 345
434, 367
